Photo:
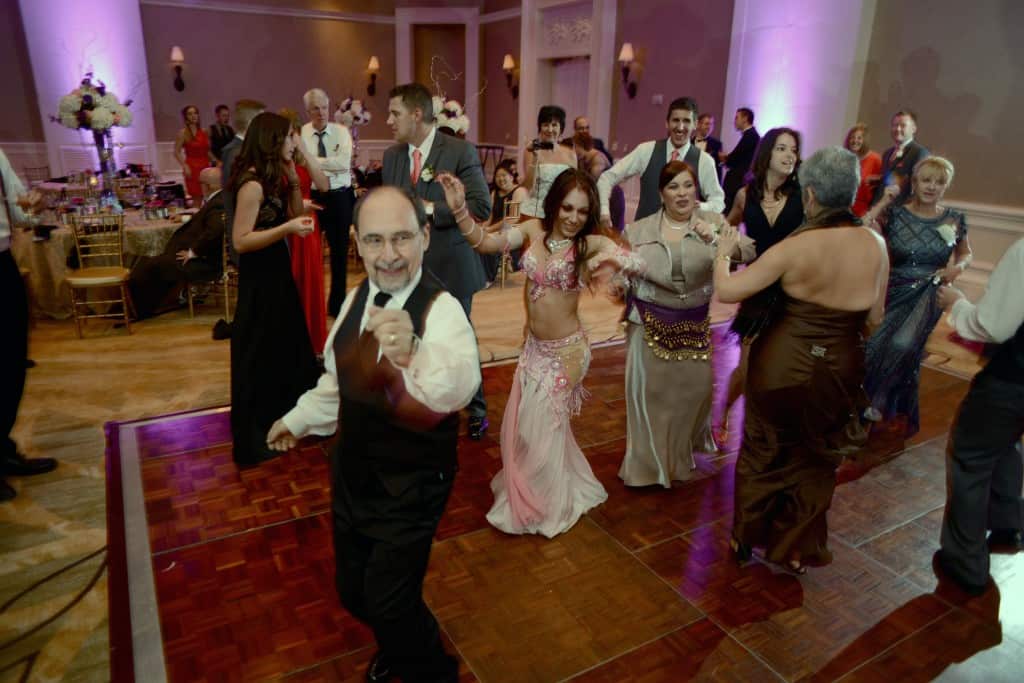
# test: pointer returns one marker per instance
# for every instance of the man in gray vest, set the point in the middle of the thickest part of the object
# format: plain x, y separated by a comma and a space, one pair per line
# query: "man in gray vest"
648, 158
984, 464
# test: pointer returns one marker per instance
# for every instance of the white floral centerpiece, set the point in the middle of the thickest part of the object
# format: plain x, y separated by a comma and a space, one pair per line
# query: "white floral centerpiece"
92, 107
352, 113
451, 115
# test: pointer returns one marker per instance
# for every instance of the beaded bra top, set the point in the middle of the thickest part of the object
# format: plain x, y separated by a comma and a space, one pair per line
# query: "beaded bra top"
558, 273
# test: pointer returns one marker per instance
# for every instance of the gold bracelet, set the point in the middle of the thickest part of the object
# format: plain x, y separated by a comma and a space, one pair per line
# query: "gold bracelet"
724, 257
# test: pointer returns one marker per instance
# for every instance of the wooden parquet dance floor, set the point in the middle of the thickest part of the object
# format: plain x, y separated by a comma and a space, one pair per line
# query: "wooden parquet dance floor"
235, 580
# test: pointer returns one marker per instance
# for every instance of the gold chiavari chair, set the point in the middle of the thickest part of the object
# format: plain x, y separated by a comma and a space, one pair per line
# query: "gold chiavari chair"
129, 189
228, 280
505, 266
99, 243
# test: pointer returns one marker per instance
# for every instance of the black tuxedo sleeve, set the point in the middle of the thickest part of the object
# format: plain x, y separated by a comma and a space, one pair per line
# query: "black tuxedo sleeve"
478, 198
743, 152
211, 233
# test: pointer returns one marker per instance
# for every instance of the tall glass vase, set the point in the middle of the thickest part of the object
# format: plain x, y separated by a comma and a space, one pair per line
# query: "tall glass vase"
105, 149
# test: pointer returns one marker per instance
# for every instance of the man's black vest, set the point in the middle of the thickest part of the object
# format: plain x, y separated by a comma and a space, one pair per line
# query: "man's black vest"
1008, 360
380, 426
650, 198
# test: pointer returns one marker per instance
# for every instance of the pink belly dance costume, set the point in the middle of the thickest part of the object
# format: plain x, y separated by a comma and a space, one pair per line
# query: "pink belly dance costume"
546, 483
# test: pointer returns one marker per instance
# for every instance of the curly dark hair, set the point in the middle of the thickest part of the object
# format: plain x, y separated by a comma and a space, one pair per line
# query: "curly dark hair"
261, 151
568, 180
763, 158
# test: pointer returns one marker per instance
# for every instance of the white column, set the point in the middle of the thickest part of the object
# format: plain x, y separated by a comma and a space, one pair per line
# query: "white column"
798, 64
67, 38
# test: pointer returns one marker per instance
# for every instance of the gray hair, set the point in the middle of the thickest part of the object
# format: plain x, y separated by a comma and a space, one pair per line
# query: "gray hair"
317, 93
834, 175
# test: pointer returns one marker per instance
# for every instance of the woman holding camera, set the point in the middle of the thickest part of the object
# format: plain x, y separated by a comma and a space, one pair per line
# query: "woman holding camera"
545, 159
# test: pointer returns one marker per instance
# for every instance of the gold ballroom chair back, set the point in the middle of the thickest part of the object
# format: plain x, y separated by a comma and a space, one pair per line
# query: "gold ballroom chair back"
99, 243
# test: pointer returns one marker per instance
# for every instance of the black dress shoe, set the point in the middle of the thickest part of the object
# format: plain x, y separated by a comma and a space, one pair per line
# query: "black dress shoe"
478, 427
1006, 541
379, 670
944, 573
17, 465
7, 491
29, 363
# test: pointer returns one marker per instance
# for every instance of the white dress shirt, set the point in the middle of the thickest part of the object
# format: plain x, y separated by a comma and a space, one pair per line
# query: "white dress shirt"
424, 148
1000, 313
443, 375
635, 163
14, 188
337, 165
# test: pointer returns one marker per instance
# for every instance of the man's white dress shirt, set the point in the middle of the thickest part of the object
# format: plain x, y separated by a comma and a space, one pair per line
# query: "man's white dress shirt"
636, 162
1000, 312
443, 375
337, 165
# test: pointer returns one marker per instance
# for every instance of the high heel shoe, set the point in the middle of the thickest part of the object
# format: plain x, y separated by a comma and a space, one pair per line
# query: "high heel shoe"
741, 551
794, 567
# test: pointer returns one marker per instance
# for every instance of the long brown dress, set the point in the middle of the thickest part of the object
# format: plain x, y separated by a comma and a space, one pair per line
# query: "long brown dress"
804, 398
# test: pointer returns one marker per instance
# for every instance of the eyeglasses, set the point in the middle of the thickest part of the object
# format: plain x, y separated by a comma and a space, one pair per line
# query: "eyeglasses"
400, 240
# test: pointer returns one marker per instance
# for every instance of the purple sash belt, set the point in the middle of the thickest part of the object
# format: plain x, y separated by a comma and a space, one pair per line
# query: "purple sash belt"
676, 333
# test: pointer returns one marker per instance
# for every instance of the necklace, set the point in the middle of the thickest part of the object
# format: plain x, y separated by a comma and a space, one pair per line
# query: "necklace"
670, 224
554, 245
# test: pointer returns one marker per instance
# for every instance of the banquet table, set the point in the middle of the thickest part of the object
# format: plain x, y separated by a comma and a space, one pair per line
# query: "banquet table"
48, 259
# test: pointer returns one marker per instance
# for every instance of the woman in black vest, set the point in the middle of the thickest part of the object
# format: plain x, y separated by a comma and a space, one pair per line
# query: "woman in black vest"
770, 208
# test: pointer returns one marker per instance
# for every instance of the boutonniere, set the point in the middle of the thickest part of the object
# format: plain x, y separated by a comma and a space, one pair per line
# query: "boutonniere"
948, 233
427, 174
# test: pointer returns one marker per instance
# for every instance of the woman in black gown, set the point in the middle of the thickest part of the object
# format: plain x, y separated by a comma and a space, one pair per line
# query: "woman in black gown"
770, 208
272, 358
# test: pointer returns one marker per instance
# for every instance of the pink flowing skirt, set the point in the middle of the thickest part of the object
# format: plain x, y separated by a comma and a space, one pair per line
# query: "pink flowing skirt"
546, 483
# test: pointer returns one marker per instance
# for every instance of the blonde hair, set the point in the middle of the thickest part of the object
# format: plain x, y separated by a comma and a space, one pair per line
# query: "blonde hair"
940, 164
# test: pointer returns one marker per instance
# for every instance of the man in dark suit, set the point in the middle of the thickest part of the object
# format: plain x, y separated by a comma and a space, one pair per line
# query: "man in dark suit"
245, 112
582, 125
221, 133
194, 253
703, 138
401, 361
899, 160
413, 164
737, 162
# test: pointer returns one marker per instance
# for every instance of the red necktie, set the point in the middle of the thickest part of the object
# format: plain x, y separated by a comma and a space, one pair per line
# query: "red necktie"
675, 155
417, 159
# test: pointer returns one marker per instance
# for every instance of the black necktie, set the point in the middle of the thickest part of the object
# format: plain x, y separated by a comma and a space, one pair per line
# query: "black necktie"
368, 346
321, 151
381, 299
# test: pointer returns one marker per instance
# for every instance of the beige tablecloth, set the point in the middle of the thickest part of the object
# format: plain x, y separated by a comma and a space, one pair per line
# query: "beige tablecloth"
47, 260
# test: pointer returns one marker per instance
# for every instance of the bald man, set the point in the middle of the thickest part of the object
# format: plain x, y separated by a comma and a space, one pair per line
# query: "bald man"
402, 361
194, 253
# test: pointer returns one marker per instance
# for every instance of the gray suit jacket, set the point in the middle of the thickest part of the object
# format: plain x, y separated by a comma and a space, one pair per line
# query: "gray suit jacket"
450, 257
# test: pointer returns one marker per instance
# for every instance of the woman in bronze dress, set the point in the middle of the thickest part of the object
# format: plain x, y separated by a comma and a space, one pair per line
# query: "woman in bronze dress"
804, 394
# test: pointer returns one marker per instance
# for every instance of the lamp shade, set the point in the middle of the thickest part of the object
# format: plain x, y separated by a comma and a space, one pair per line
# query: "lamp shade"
508, 64
177, 56
374, 65
626, 53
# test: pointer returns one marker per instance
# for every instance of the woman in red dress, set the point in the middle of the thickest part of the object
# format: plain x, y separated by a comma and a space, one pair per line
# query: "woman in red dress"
307, 252
870, 167
192, 150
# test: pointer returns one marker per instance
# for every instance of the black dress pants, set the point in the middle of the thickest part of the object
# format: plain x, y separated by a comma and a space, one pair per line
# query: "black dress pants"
984, 473
335, 220
382, 548
13, 348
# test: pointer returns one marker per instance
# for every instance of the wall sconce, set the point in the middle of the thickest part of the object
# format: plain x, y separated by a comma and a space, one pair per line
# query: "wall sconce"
373, 68
626, 59
178, 61
508, 65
